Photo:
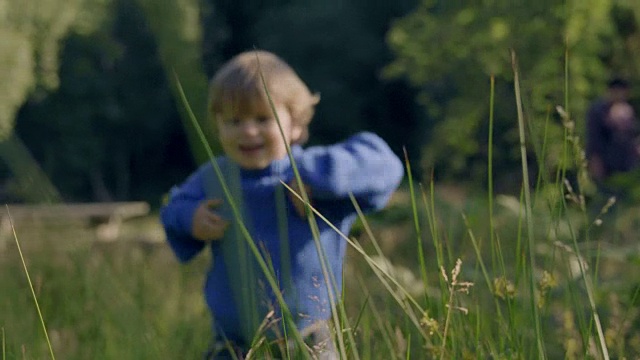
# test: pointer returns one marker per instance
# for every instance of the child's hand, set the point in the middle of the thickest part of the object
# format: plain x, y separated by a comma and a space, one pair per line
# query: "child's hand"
298, 204
207, 224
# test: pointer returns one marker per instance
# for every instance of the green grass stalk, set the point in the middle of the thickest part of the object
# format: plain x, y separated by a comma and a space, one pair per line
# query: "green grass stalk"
627, 315
586, 277
337, 309
500, 318
385, 331
416, 223
543, 152
364, 328
454, 287
483, 267
490, 194
574, 297
528, 211
403, 304
521, 258
496, 249
369, 260
430, 207
581, 165
33, 293
356, 323
445, 332
287, 316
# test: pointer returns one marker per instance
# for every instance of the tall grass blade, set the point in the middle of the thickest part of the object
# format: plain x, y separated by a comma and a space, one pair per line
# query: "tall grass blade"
581, 164
543, 153
528, 209
416, 224
430, 206
385, 330
375, 267
492, 235
408, 355
371, 262
238, 218
627, 315
337, 309
496, 248
476, 247
358, 320
33, 293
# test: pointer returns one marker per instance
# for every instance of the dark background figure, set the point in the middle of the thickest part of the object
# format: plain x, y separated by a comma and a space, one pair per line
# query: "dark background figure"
612, 132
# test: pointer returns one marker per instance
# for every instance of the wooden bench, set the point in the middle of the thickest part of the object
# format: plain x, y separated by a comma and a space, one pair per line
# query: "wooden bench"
107, 217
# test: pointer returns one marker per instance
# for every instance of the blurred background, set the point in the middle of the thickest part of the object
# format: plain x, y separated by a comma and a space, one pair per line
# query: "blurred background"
89, 109
90, 113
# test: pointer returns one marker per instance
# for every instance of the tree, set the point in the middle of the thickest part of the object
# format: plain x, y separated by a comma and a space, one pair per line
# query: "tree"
111, 130
624, 55
176, 25
338, 49
31, 33
450, 51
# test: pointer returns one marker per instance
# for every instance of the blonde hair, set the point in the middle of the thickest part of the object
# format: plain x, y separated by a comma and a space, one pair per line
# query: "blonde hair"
237, 88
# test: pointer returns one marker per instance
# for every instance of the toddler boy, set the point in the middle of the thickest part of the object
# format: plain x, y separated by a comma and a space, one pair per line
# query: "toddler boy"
254, 166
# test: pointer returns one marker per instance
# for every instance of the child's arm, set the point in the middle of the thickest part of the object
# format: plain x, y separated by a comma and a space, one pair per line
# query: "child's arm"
363, 165
188, 218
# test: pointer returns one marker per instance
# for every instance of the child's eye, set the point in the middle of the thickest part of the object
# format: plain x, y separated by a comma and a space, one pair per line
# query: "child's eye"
263, 119
233, 121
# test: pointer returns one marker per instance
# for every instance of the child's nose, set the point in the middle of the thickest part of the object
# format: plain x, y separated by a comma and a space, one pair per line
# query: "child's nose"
249, 128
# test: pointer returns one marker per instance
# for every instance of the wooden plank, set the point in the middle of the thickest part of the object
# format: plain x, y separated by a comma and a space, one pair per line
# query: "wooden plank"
79, 211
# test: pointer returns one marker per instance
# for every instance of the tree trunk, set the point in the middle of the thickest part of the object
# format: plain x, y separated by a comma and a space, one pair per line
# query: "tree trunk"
34, 184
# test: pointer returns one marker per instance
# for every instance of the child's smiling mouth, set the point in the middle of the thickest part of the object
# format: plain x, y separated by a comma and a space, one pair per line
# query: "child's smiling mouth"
250, 149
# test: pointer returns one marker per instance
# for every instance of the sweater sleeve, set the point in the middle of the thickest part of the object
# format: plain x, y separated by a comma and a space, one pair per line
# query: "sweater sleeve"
363, 165
177, 215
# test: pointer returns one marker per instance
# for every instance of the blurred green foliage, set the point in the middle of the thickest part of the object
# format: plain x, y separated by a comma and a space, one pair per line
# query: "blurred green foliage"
28, 54
451, 50
113, 121
178, 34
105, 124
31, 36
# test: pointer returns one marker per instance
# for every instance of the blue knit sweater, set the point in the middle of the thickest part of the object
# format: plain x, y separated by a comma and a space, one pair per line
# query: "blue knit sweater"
363, 165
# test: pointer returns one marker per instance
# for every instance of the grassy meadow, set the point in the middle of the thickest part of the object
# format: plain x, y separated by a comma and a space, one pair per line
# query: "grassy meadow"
445, 272
129, 298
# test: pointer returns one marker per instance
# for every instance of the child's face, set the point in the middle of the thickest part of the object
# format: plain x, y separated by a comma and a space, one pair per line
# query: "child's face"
253, 140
